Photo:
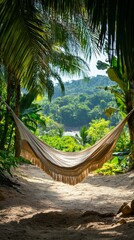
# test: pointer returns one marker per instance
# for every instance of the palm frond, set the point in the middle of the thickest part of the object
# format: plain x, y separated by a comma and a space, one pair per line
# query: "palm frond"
63, 7
112, 18
115, 20
22, 38
70, 64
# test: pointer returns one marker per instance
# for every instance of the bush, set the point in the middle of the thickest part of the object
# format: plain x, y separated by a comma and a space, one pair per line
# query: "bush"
7, 162
65, 143
114, 166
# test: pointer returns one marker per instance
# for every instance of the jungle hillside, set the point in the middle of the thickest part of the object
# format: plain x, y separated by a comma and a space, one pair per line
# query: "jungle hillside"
82, 102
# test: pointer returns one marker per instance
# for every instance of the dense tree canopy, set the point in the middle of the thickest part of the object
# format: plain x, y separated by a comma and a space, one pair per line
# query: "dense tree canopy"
83, 102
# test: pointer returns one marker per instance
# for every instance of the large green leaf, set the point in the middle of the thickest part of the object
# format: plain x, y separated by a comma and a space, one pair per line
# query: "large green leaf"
23, 40
109, 111
102, 65
115, 76
32, 41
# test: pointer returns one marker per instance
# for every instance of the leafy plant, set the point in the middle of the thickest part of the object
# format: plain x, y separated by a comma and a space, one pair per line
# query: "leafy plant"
83, 138
97, 129
114, 166
65, 143
7, 162
123, 142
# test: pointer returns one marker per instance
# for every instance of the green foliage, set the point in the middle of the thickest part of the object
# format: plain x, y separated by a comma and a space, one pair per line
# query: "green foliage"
97, 129
102, 65
7, 162
114, 166
52, 128
116, 76
83, 103
123, 142
32, 118
65, 143
83, 138
100, 127
30, 112
81, 86
109, 111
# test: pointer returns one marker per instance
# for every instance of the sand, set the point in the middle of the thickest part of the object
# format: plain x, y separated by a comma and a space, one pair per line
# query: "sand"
40, 208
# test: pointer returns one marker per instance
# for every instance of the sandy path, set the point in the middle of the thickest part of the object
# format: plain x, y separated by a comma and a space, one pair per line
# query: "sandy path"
45, 209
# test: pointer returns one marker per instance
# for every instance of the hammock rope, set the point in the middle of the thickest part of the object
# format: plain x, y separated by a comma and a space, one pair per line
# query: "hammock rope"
67, 167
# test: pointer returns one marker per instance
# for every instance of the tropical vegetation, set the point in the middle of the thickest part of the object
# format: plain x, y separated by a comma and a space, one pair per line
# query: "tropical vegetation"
45, 46
41, 39
114, 22
83, 101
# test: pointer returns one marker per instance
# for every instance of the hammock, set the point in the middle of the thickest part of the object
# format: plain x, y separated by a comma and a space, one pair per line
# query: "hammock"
67, 167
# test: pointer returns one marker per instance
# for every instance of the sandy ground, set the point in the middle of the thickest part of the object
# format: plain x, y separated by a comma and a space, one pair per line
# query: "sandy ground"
41, 208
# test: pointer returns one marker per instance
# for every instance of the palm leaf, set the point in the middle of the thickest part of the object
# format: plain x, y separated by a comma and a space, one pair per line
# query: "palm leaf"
115, 76
23, 38
109, 111
113, 19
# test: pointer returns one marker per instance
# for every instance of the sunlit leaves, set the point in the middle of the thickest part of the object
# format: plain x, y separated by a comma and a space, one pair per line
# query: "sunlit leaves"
37, 46
98, 129
109, 111
115, 76
22, 38
113, 19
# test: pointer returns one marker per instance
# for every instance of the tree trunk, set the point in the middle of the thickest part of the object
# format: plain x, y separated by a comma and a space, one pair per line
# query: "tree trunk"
17, 111
10, 88
130, 106
10, 138
13, 92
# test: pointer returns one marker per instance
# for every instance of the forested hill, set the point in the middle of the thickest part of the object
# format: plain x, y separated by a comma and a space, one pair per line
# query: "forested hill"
83, 102
83, 86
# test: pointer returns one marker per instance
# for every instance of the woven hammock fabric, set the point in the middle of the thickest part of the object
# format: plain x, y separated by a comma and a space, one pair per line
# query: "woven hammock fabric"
67, 167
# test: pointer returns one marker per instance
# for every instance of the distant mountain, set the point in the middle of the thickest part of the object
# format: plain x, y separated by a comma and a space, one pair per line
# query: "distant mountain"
88, 86
84, 101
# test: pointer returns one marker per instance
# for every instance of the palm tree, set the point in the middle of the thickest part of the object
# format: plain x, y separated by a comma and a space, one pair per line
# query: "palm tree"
83, 137
27, 36
123, 93
34, 46
114, 19
122, 90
